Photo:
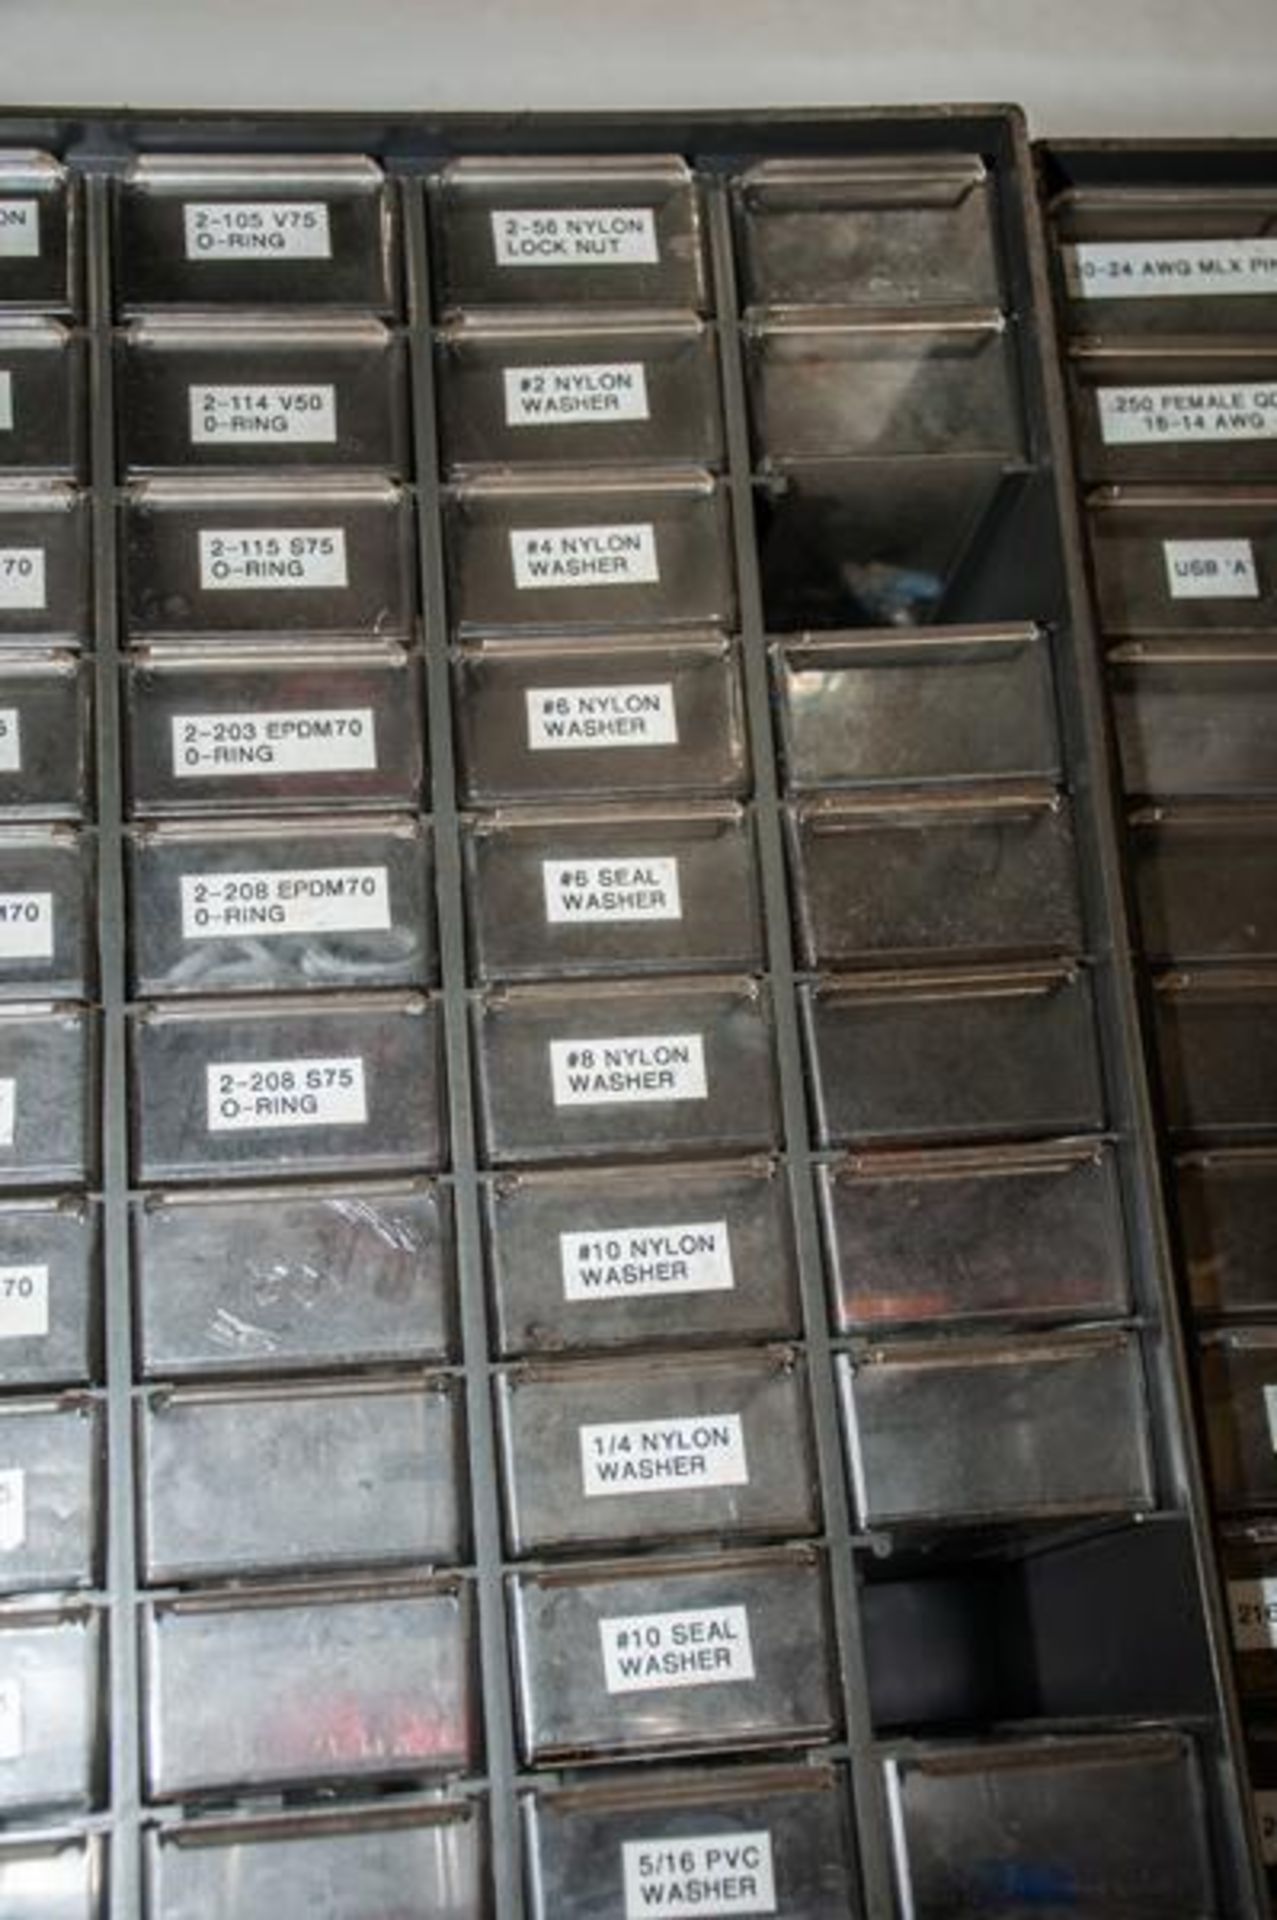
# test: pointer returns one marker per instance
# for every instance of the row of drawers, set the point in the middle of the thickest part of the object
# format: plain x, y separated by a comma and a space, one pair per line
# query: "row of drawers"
259, 906
680, 1844
562, 389
261, 1088
233, 730
307, 230
313, 1479
247, 1282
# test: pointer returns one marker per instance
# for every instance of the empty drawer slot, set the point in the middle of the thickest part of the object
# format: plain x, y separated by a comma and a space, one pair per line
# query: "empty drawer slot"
1217, 1048
285, 1279
1108, 1825
872, 231
924, 1056
935, 874
310, 1478
880, 708
954, 1432
1193, 718
1228, 1230
370, 1862
1011, 1234
301, 1686
825, 383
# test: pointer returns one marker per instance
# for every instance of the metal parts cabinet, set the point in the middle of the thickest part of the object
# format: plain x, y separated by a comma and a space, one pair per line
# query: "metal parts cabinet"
587, 1288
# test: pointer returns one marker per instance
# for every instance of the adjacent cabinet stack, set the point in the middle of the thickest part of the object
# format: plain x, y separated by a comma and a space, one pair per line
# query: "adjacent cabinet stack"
587, 1323
1167, 281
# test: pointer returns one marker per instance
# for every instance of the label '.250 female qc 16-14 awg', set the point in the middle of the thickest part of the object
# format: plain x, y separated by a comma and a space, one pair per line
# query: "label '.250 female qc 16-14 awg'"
1170, 416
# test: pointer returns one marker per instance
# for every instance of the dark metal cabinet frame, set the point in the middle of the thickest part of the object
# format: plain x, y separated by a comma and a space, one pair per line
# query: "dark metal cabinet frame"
1088, 1620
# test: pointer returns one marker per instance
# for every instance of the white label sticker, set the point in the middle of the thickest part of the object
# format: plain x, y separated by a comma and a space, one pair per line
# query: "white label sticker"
257, 230
576, 237
8, 1111
22, 577
679, 1454
10, 1719
13, 1509
219, 906
1158, 269
247, 1095
1211, 569
620, 556
694, 1647
335, 740
621, 716
575, 395
284, 558
26, 926
19, 229
640, 1262
1266, 1820
6, 400
629, 1070
1168, 416
1252, 1607
255, 414
10, 740
24, 1303
593, 892
689, 1877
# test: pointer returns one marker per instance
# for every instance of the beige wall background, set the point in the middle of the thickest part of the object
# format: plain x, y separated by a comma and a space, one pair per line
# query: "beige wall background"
1078, 66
